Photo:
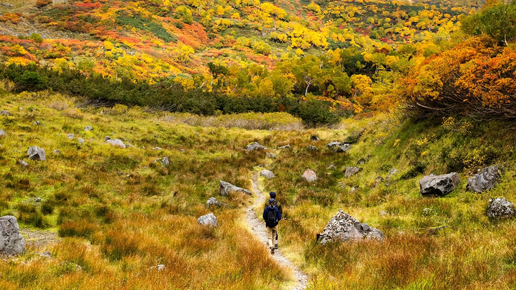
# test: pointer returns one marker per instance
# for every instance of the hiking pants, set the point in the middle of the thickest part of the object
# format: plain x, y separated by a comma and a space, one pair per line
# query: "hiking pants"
271, 236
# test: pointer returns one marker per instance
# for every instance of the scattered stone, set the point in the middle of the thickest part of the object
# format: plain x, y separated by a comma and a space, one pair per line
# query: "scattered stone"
157, 148
225, 188
7, 5
11, 241
255, 146
383, 213
267, 174
439, 185
350, 171
81, 141
46, 254
343, 227
116, 142
208, 220
161, 267
2, 133
500, 208
354, 188
165, 161
38, 199
361, 161
70, 136
107, 138
331, 167
314, 138
428, 211
311, 148
182, 150
309, 175
5, 113
78, 267
284, 147
37, 123
391, 173
212, 201
88, 128
36, 153
485, 180
57, 151
23, 163
377, 181
270, 155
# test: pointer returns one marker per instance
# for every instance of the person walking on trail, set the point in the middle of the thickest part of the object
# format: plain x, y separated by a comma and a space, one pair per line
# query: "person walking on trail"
271, 216
272, 194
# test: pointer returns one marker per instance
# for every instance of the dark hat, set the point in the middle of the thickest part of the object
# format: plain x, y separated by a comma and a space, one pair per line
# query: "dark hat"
272, 194
271, 200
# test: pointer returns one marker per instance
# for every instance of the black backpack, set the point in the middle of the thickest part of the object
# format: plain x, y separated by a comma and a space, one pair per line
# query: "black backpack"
271, 218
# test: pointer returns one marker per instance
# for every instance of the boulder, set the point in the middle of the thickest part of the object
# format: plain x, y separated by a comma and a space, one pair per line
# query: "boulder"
439, 185
2, 133
284, 147
361, 161
309, 175
57, 151
116, 142
485, 180
331, 167
350, 171
81, 141
500, 208
23, 163
88, 128
270, 155
225, 188
343, 227
267, 174
5, 113
36, 153
314, 138
311, 148
333, 144
343, 148
213, 202
165, 161
208, 220
11, 241
255, 146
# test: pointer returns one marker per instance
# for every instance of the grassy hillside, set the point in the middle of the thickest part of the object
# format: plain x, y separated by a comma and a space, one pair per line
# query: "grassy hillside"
120, 212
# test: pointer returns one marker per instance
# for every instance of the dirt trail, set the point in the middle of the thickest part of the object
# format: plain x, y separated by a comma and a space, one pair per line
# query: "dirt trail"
258, 229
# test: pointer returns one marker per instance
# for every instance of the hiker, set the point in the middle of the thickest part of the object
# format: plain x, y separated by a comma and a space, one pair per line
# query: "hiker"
271, 216
272, 194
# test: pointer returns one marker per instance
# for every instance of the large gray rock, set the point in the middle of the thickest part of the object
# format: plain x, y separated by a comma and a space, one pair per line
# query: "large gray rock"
350, 171
225, 188
165, 161
500, 208
485, 180
36, 153
309, 175
439, 185
116, 142
255, 146
5, 113
333, 145
343, 227
267, 174
2, 133
11, 241
208, 220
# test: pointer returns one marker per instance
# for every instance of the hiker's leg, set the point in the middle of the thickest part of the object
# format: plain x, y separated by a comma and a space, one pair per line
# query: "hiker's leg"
276, 241
270, 237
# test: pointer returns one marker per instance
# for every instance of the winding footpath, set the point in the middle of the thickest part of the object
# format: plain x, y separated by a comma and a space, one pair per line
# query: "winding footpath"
258, 229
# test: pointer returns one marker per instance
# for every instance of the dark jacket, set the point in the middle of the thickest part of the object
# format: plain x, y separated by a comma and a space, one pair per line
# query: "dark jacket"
266, 213
276, 203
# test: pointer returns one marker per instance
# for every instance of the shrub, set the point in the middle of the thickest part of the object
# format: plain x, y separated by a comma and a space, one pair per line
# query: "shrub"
81, 228
118, 244
315, 112
29, 214
36, 37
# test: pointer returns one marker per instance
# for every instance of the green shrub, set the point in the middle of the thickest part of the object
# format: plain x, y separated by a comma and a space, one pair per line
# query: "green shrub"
315, 112
28, 214
36, 37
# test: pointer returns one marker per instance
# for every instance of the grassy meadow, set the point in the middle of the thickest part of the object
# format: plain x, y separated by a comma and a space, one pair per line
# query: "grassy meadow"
119, 212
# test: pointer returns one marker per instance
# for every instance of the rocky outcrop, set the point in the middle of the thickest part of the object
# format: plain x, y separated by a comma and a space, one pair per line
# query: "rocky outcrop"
339, 147
350, 171
485, 180
36, 153
213, 202
225, 188
267, 174
11, 241
255, 146
5, 113
165, 161
208, 220
500, 208
343, 227
439, 185
309, 175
